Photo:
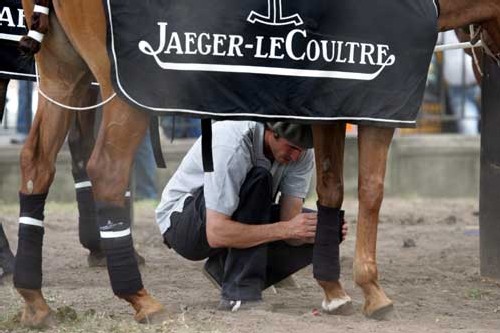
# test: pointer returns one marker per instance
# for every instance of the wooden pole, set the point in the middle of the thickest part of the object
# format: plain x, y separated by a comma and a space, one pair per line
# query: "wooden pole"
489, 197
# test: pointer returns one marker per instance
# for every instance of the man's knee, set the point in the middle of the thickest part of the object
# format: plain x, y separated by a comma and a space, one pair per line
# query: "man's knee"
188, 249
255, 197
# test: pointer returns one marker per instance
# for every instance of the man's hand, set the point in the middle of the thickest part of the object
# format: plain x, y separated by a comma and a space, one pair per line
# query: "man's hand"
310, 240
302, 227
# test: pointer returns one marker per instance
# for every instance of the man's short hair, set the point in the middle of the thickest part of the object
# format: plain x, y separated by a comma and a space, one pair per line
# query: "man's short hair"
297, 134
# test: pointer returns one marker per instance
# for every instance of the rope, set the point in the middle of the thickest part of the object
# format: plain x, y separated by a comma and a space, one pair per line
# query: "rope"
474, 55
457, 46
74, 108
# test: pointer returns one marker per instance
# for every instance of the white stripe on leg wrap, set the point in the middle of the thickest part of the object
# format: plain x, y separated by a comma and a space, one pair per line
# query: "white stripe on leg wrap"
115, 234
83, 184
30, 221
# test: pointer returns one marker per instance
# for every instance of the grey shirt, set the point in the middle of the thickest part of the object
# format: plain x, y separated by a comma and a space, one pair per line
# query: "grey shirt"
237, 147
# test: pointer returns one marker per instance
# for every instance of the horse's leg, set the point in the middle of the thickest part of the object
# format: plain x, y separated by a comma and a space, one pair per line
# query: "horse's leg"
81, 142
65, 78
109, 167
4, 83
329, 151
373, 143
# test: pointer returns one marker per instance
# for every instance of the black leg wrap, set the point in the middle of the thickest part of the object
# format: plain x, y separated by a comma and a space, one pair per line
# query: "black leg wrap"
88, 230
4, 242
6, 256
116, 241
32, 205
326, 263
28, 266
342, 222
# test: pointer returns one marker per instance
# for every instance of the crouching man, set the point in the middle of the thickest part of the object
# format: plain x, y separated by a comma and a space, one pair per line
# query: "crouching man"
230, 217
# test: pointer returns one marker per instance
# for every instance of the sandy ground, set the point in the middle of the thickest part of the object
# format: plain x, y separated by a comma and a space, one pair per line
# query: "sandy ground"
434, 279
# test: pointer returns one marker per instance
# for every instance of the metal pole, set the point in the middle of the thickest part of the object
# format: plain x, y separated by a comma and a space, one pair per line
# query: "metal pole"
489, 196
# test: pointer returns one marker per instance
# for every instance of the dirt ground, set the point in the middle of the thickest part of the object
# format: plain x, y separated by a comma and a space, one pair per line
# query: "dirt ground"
428, 256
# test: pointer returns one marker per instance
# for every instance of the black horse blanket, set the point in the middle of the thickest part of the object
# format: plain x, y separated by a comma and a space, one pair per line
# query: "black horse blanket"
12, 28
302, 60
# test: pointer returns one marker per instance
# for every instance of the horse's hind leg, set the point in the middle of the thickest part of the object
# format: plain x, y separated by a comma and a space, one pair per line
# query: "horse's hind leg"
65, 78
122, 130
4, 83
329, 151
81, 142
373, 145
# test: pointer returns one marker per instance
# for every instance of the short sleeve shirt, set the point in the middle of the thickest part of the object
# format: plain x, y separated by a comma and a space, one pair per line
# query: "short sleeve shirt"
237, 147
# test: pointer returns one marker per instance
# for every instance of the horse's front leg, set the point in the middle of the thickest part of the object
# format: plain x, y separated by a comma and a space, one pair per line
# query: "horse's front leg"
373, 144
329, 151
38, 157
65, 78
122, 129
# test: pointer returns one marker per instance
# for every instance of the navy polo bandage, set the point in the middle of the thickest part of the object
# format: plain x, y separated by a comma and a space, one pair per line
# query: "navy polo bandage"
28, 266
41, 9
117, 244
88, 230
326, 263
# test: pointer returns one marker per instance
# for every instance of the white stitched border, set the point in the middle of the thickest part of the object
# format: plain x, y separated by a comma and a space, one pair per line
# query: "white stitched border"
41, 9
15, 38
115, 234
30, 221
36, 35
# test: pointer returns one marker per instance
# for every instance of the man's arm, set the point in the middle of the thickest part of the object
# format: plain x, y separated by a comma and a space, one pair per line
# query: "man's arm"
222, 231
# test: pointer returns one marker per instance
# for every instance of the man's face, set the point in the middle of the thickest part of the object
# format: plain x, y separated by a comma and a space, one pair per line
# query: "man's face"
284, 151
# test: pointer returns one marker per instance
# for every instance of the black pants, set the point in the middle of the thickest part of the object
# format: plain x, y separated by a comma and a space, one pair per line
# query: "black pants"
246, 272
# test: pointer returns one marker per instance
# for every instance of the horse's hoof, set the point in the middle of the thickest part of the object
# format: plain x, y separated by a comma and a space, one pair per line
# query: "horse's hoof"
41, 318
147, 309
151, 316
382, 313
36, 312
338, 306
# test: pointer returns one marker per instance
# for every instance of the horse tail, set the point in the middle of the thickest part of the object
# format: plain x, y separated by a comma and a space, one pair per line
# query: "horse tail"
31, 43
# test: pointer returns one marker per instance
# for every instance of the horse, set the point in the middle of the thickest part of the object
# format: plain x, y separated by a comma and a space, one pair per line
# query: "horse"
72, 54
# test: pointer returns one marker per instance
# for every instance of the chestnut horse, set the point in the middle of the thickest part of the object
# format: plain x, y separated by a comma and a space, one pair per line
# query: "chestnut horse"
73, 53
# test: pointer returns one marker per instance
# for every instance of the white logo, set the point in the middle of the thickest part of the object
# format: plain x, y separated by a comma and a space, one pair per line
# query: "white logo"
274, 15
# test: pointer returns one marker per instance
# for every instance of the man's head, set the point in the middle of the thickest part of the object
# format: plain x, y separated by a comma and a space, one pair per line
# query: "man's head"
287, 141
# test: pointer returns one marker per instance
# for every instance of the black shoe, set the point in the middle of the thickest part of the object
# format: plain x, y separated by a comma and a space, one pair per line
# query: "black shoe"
239, 305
